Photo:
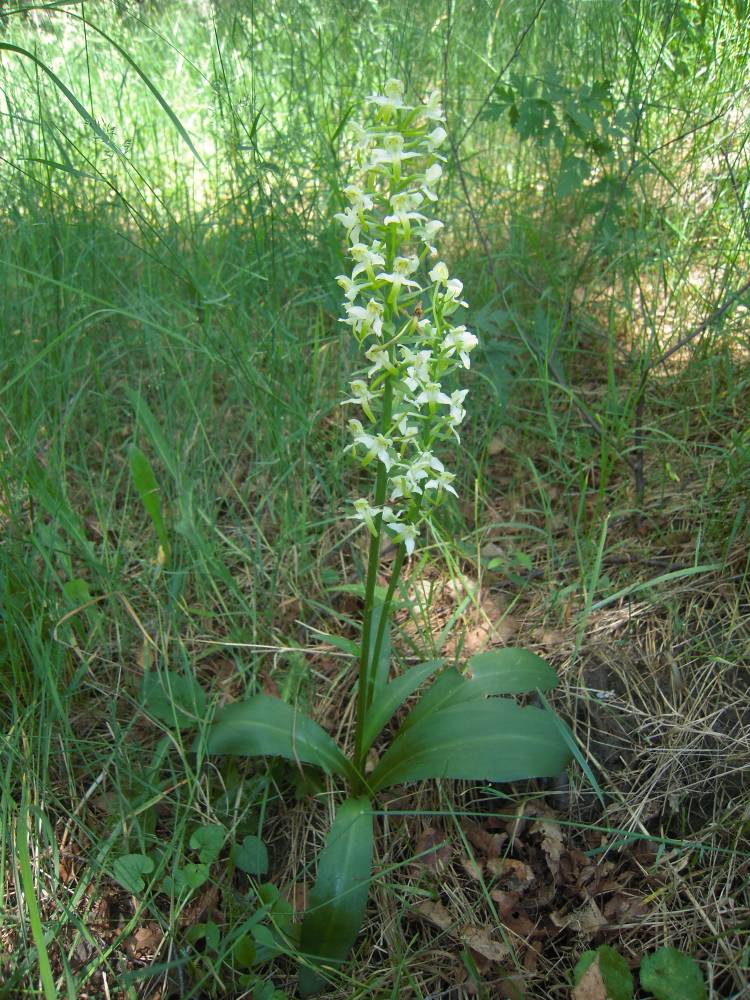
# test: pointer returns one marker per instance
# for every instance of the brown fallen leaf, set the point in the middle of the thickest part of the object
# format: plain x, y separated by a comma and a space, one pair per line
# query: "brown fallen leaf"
472, 868
591, 986
436, 913
489, 844
479, 939
512, 914
434, 852
552, 843
514, 874
144, 942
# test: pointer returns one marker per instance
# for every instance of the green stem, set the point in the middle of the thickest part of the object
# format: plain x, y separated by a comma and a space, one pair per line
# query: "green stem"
383, 623
366, 663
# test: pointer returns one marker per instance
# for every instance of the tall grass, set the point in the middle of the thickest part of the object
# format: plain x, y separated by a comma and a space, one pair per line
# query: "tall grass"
169, 176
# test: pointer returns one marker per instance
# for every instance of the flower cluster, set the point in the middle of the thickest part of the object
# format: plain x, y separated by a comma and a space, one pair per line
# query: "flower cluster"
399, 304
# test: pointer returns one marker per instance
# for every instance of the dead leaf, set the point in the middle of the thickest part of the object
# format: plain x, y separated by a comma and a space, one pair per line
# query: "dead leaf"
479, 939
591, 986
438, 853
436, 913
586, 921
144, 942
489, 844
552, 843
472, 868
515, 874
511, 913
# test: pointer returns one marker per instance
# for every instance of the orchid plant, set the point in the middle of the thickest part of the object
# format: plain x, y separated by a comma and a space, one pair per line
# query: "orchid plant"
400, 303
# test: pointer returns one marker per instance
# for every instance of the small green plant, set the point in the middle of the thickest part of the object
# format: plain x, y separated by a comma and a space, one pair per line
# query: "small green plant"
399, 304
666, 974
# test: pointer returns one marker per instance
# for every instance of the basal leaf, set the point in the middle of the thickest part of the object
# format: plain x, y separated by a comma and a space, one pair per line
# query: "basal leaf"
390, 698
337, 902
267, 727
501, 671
489, 740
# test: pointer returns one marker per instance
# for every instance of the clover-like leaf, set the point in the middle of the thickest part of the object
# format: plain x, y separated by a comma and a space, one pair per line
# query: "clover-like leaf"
251, 855
671, 975
208, 841
129, 870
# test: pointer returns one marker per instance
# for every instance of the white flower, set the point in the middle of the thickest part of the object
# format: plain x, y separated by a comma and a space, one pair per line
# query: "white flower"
362, 396
436, 138
407, 533
439, 273
432, 110
364, 512
427, 233
403, 488
431, 393
442, 481
455, 287
431, 177
426, 461
461, 340
402, 267
392, 151
391, 100
351, 221
405, 429
358, 197
457, 411
364, 320
367, 257
380, 358
417, 368
404, 204
376, 445
351, 288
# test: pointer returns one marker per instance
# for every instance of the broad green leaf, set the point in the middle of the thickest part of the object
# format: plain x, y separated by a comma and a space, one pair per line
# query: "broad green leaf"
337, 902
251, 856
208, 840
491, 740
266, 727
671, 975
613, 972
129, 870
145, 483
390, 698
173, 698
501, 671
